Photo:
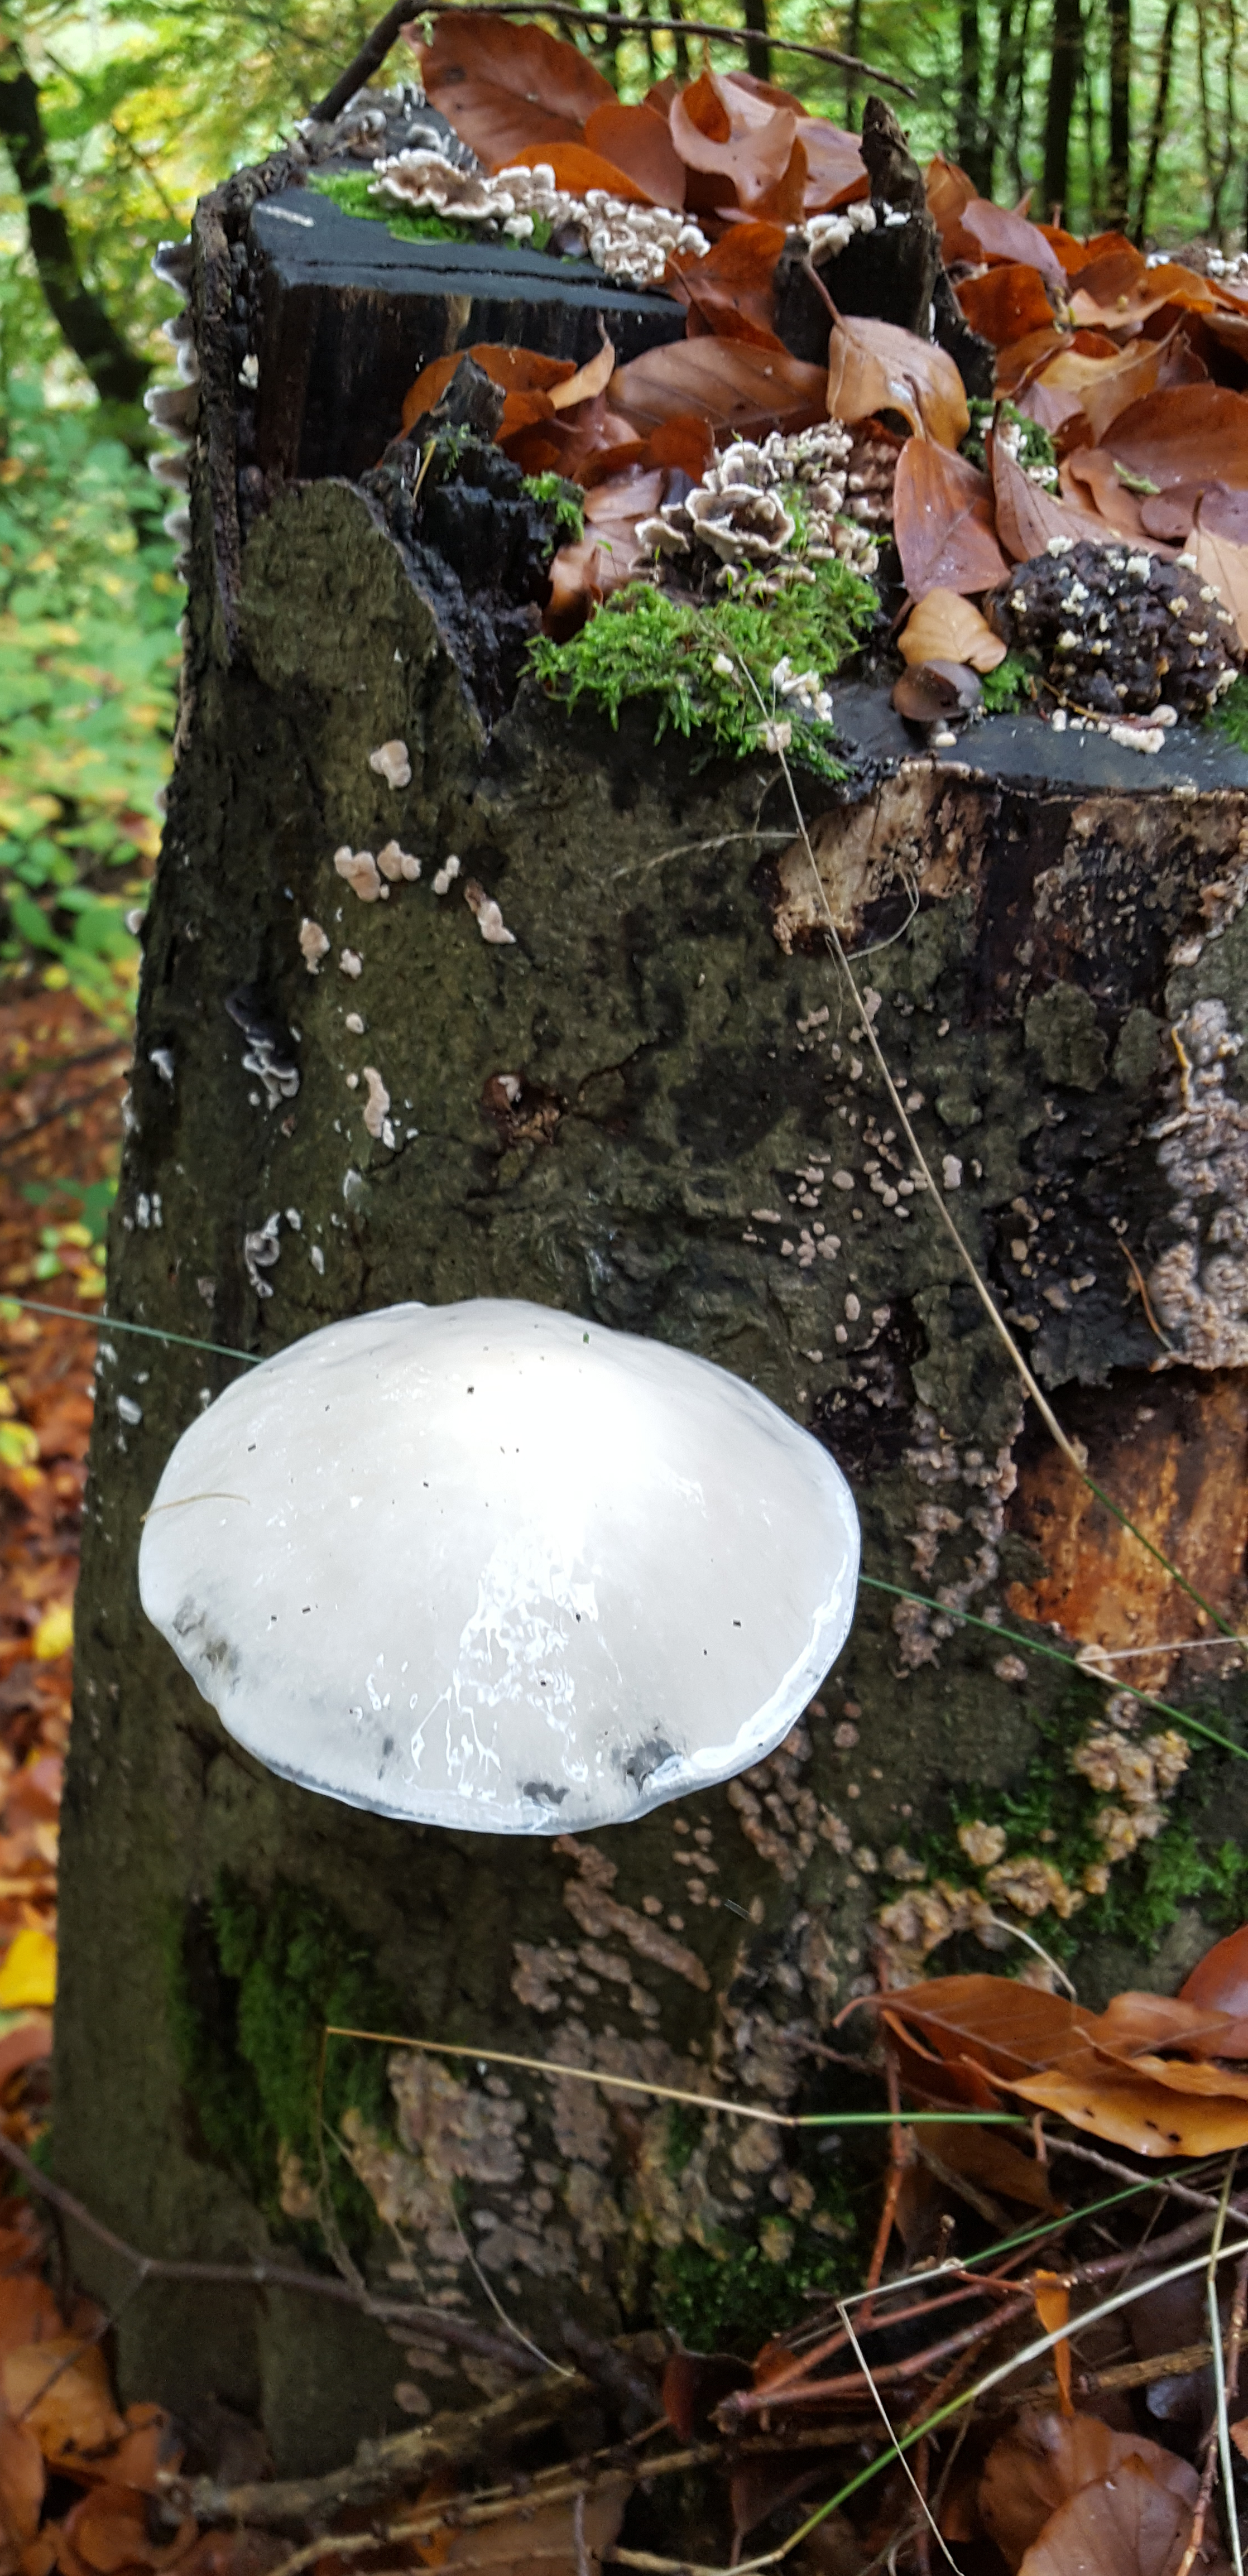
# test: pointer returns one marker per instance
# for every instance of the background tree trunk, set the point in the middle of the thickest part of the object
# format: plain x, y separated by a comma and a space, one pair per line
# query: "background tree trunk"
1118, 173
658, 1108
1065, 59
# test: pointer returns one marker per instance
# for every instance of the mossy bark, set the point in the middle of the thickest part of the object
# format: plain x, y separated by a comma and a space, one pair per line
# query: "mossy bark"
656, 1108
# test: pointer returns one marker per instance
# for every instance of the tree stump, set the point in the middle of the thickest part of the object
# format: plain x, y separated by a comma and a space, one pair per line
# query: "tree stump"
654, 1105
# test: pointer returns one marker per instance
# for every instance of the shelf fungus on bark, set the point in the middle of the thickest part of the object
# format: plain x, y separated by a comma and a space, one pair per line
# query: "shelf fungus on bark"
492, 1567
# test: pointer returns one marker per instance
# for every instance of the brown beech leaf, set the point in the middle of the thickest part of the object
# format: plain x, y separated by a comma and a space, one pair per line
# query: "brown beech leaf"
945, 627
578, 170
593, 378
1027, 517
1224, 564
733, 385
835, 171
1090, 480
759, 2487
108, 2532
1005, 303
971, 228
1010, 2029
1106, 292
1073, 253
1044, 2459
940, 2084
1136, 2105
1239, 2436
987, 2156
637, 141
1184, 434
582, 575
503, 86
874, 366
1127, 2525
1219, 1983
742, 143
729, 290
68, 2409
22, 2481
1138, 2025
518, 371
942, 522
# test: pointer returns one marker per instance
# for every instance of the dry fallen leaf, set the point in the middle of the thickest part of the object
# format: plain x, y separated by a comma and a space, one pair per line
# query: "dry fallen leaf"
942, 522
1045, 2459
639, 142
734, 386
743, 148
1224, 565
69, 2408
1219, 1983
504, 86
518, 371
1005, 303
585, 573
1052, 2298
874, 366
946, 627
1184, 434
1127, 2525
990, 2158
728, 290
1028, 518
22, 2481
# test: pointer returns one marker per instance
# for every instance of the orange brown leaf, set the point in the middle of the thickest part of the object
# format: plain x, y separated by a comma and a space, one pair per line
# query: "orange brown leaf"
942, 522
734, 386
875, 367
504, 86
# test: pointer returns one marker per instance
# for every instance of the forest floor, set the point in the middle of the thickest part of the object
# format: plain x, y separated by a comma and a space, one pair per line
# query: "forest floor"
61, 1080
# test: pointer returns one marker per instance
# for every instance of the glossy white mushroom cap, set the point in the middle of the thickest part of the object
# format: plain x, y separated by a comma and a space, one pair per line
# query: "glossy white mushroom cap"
491, 1566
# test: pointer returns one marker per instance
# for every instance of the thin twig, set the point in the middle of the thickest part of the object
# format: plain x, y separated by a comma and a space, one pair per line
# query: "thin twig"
65, 1109
375, 48
260, 2276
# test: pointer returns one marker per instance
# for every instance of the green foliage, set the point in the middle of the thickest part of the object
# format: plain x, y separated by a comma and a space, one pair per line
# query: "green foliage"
1011, 685
1231, 712
253, 1982
1036, 448
88, 664
566, 500
350, 189
1143, 1899
353, 191
698, 660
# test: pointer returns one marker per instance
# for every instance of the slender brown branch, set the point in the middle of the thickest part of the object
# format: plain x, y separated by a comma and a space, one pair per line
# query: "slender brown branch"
264, 2276
375, 48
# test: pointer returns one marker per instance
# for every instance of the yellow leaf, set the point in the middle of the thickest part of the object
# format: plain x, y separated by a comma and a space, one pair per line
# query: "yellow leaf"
69, 2409
28, 1975
55, 1633
1052, 2298
19, 1445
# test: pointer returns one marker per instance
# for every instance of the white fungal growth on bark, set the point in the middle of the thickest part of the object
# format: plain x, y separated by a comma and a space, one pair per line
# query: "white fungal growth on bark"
395, 863
489, 919
313, 945
446, 875
377, 1105
359, 868
260, 1251
390, 761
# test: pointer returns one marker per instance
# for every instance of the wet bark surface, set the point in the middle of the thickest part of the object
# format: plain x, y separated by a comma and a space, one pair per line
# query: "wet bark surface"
656, 1107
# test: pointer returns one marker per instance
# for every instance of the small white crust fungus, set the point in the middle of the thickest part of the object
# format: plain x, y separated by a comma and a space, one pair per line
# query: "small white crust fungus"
395, 863
377, 1105
351, 965
446, 875
490, 1566
489, 919
391, 762
313, 945
359, 868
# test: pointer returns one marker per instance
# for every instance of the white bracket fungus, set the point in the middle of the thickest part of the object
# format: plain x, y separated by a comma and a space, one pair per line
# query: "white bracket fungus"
489, 919
350, 965
376, 1107
260, 1250
390, 761
489, 1566
446, 875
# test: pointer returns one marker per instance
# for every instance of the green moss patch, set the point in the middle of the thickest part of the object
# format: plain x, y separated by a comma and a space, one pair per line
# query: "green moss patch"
254, 1980
695, 660
352, 190
1231, 712
1012, 685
